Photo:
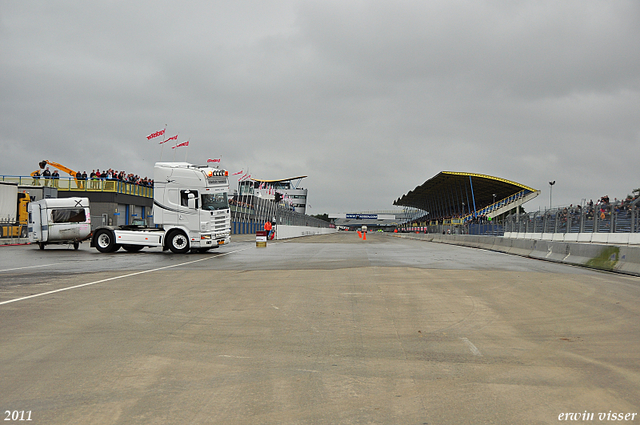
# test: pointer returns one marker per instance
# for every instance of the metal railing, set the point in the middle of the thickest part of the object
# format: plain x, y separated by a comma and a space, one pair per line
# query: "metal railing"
68, 184
500, 204
620, 217
601, 218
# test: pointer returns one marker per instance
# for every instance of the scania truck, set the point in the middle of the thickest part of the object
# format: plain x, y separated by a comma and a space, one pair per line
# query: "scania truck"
190, 213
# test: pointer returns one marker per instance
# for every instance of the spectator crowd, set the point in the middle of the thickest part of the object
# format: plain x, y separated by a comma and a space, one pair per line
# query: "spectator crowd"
94, 178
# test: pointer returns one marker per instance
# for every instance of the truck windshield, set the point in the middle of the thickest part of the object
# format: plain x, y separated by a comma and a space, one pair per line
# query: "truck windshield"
215, 201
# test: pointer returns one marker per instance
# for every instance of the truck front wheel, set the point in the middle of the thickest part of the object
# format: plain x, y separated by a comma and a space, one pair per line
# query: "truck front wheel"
105, 241
178, 242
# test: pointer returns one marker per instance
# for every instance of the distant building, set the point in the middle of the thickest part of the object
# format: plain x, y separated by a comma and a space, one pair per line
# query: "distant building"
286, 191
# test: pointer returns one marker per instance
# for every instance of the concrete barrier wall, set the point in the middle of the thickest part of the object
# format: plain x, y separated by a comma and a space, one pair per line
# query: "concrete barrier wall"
629, 260
288, 232
602, 238
621, 258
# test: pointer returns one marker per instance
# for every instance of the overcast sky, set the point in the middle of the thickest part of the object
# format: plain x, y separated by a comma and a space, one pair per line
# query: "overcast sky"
369, 99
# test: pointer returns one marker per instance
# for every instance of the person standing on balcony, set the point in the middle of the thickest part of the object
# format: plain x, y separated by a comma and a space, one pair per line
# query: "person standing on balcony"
47, 175
36, 178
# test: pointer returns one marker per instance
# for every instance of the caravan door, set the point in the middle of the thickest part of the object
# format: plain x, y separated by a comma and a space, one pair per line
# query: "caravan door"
36, 222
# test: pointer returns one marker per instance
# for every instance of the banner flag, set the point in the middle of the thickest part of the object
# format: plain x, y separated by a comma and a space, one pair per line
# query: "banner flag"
156, 134
170, 138
214, 160
239, 172
180, 145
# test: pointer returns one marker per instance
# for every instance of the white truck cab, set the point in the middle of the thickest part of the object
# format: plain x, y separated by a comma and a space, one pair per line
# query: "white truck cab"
190, 212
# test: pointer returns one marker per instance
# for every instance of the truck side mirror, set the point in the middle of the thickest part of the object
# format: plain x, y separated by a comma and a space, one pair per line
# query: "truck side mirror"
191, 202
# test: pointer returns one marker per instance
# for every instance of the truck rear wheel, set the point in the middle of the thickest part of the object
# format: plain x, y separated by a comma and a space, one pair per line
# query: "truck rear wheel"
105, 241
178, 242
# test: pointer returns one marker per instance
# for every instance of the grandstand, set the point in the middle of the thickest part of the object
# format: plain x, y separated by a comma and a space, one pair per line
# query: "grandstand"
290, 194
461, 197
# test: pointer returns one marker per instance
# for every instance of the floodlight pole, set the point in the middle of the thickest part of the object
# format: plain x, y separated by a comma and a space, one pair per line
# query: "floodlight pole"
551, 193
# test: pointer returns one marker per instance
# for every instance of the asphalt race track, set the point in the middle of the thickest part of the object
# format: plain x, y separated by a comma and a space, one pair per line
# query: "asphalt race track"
317, 330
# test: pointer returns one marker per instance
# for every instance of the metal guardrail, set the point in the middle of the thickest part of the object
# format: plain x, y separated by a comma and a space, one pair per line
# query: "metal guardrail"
68, 184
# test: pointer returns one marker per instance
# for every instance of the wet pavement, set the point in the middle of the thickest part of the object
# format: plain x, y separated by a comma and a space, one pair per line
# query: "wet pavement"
314, 330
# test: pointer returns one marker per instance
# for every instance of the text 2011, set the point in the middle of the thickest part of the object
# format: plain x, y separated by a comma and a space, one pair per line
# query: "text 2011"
17, 415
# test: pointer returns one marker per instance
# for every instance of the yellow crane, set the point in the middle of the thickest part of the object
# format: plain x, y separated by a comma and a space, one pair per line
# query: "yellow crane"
61, 167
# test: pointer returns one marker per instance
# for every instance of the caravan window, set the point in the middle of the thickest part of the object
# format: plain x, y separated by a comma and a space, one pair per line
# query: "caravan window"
69, 215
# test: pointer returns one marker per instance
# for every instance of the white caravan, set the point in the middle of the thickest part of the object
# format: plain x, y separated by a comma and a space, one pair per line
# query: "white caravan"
59, 221
190, 212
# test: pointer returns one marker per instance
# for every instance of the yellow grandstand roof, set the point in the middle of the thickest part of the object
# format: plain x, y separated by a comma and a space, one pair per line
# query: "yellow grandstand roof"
452, 193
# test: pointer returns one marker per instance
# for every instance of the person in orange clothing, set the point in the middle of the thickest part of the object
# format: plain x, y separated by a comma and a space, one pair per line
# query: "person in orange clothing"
268, 226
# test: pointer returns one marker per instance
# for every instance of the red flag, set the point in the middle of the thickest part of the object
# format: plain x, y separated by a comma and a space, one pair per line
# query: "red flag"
156, 134
216, 160
235, 174
180, 145
170, 138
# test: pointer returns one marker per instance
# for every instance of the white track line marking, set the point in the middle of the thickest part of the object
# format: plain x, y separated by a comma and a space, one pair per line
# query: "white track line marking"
29, 267
116, 278
233, 357
473, 348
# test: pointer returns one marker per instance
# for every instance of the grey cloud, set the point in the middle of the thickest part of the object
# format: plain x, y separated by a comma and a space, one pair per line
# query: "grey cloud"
369, 99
